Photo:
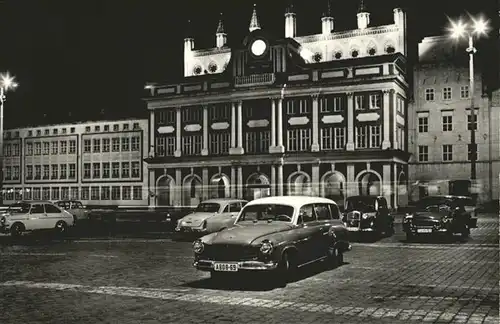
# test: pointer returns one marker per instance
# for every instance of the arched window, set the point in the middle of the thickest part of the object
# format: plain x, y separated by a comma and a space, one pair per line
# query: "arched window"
221, 189
193, 189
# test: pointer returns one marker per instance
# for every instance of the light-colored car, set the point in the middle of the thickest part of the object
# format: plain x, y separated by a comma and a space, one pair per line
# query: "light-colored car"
75, 208
28, 216
211, 216
276, 234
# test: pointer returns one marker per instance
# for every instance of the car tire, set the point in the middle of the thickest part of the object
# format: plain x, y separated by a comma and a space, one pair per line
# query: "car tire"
335, 257
287, 269
61, 227
16, 230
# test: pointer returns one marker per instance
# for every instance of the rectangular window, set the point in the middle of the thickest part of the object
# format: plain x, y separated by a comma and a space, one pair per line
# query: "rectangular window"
375, 136
192, 114
105, 144
362, 137
46, 148
97, 145
64, 147
15, 172
86, 171
15, 150
85, 193
470, 152
137, 192
38, 172
36, 194
65, 193
136, 143
72, 171
64, 170
464, 92
72, 146
45, 193
96, 170
125, 169
423, 124
429, 94
55, 147
94, 193
116, 144
86, 146
55, 193
447, 123
332, 138
360, 102
126, 193
74, 193
105, 193
38, 148
115, 170
136, 170
192, 144
46, 172
447, 152
55, 171
330, 104
8, 173
423, 153
447, 93
125, 144
105, 170
220, 112
115, 193
472, 122
219, 143
29, 149
29, 172
375, 101
28, 194
299, 140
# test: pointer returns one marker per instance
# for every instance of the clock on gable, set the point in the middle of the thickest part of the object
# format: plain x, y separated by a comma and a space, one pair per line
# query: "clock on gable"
259, 60
258, 47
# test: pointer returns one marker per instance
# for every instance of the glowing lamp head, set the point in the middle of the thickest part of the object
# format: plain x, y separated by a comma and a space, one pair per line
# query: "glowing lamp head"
480, 26
8, 81
457, 29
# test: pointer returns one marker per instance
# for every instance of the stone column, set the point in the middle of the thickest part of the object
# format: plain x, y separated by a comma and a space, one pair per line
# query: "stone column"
178, 188
315, 185
152, 132
351, 183
153, 200
393, 109
279, 183
233, 125
233, 182
238, 150
386, 184
239, 188
350, 122
386, 140
273, 123
178, 133
279, 148
204, 150
315, 123
273, 180
206, 181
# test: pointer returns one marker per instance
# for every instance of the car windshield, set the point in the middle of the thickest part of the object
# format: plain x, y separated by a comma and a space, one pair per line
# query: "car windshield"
19, 208
366, 204
207, 208
266, 212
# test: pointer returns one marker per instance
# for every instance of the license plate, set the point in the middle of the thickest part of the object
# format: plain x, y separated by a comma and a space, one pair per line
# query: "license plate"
424, 230
353, 229
226, 267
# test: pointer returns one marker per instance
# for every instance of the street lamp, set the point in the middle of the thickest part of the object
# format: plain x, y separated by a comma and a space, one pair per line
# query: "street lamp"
474, 27
7, 82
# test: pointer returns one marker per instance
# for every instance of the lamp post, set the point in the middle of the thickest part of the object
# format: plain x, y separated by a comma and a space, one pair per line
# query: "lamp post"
475, 27
7, 82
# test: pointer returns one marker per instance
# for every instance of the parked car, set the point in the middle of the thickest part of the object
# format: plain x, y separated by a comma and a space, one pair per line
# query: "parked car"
436, 200
75, 208
277, 235
27, 216
211, 216
448, 216
368, 214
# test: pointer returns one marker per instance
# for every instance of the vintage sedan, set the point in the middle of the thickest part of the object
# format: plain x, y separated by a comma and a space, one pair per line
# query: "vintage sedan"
449, 217
368, 214
211, 216
27, 216
75, 208
277, 235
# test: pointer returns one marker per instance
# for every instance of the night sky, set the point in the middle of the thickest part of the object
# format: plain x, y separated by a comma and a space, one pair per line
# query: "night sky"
78, 60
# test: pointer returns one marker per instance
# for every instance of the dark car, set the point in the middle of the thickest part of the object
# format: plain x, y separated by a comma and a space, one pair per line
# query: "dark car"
275, 235
368, 214
442, 214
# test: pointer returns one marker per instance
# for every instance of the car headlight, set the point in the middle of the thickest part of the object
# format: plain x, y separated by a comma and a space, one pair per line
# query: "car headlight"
266, 248
3, 220
365, 216
198, 247
407, 219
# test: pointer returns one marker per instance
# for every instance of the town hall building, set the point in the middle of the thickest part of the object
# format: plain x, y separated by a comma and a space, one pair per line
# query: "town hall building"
323, 114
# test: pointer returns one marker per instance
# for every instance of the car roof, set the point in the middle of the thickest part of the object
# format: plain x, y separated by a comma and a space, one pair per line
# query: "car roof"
364, 196
67, 200
33, 202
222, 200
295, 201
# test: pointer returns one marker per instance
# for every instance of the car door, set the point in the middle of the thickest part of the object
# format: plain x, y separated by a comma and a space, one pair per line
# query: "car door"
310, 235
383, 212
325, 222
52, 215
36, 217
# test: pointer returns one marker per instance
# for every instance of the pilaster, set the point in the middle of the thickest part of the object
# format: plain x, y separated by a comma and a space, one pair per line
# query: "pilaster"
315, 185
152, 199
204, 150
239, 188
386, 184
279, 183
205, 187
233, 182
279, 148
351, 184
273, 180
239, 131
386, 140
178, 133
350, 122
178, 187
315, 128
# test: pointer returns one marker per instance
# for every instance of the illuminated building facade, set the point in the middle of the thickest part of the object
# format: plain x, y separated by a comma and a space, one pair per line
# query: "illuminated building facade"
98, 162
322, 114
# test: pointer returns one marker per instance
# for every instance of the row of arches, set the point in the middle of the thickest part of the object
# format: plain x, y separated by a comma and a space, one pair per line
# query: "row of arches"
332, 185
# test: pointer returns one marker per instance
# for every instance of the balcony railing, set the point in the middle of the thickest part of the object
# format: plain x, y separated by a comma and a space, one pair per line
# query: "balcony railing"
255, 80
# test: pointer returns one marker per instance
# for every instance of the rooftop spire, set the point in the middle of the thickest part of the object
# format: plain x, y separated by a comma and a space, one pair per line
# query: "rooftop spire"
290, 8
188, 31
362, 6
328, 12
220, 27
254, 22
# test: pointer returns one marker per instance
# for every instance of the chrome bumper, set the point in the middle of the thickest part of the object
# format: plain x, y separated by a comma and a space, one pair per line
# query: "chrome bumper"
357, 229
208, 265
186, 229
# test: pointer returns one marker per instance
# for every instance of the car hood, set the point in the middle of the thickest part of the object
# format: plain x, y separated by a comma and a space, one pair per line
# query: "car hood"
245, 234
426, 215
195, 219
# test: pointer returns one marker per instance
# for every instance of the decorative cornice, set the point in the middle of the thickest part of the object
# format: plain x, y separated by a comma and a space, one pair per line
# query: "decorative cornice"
211, 51
348, 34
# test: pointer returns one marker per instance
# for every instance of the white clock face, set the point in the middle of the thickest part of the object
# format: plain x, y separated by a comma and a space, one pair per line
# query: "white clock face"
258, 47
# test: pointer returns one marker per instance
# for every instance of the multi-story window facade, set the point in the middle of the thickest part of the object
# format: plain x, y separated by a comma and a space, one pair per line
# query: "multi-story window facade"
56, 162
441, 123
279, 123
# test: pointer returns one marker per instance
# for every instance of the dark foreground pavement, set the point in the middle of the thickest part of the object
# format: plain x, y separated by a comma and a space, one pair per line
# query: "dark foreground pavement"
122, 279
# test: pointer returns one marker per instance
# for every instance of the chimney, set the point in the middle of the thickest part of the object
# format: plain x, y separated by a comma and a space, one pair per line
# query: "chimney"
290, 22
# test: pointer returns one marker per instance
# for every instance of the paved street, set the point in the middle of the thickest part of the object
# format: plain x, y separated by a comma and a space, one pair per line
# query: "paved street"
151, 280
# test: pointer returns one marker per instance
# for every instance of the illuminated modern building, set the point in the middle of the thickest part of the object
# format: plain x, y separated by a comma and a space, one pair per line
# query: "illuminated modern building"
441, 122
322, 114
97, 162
